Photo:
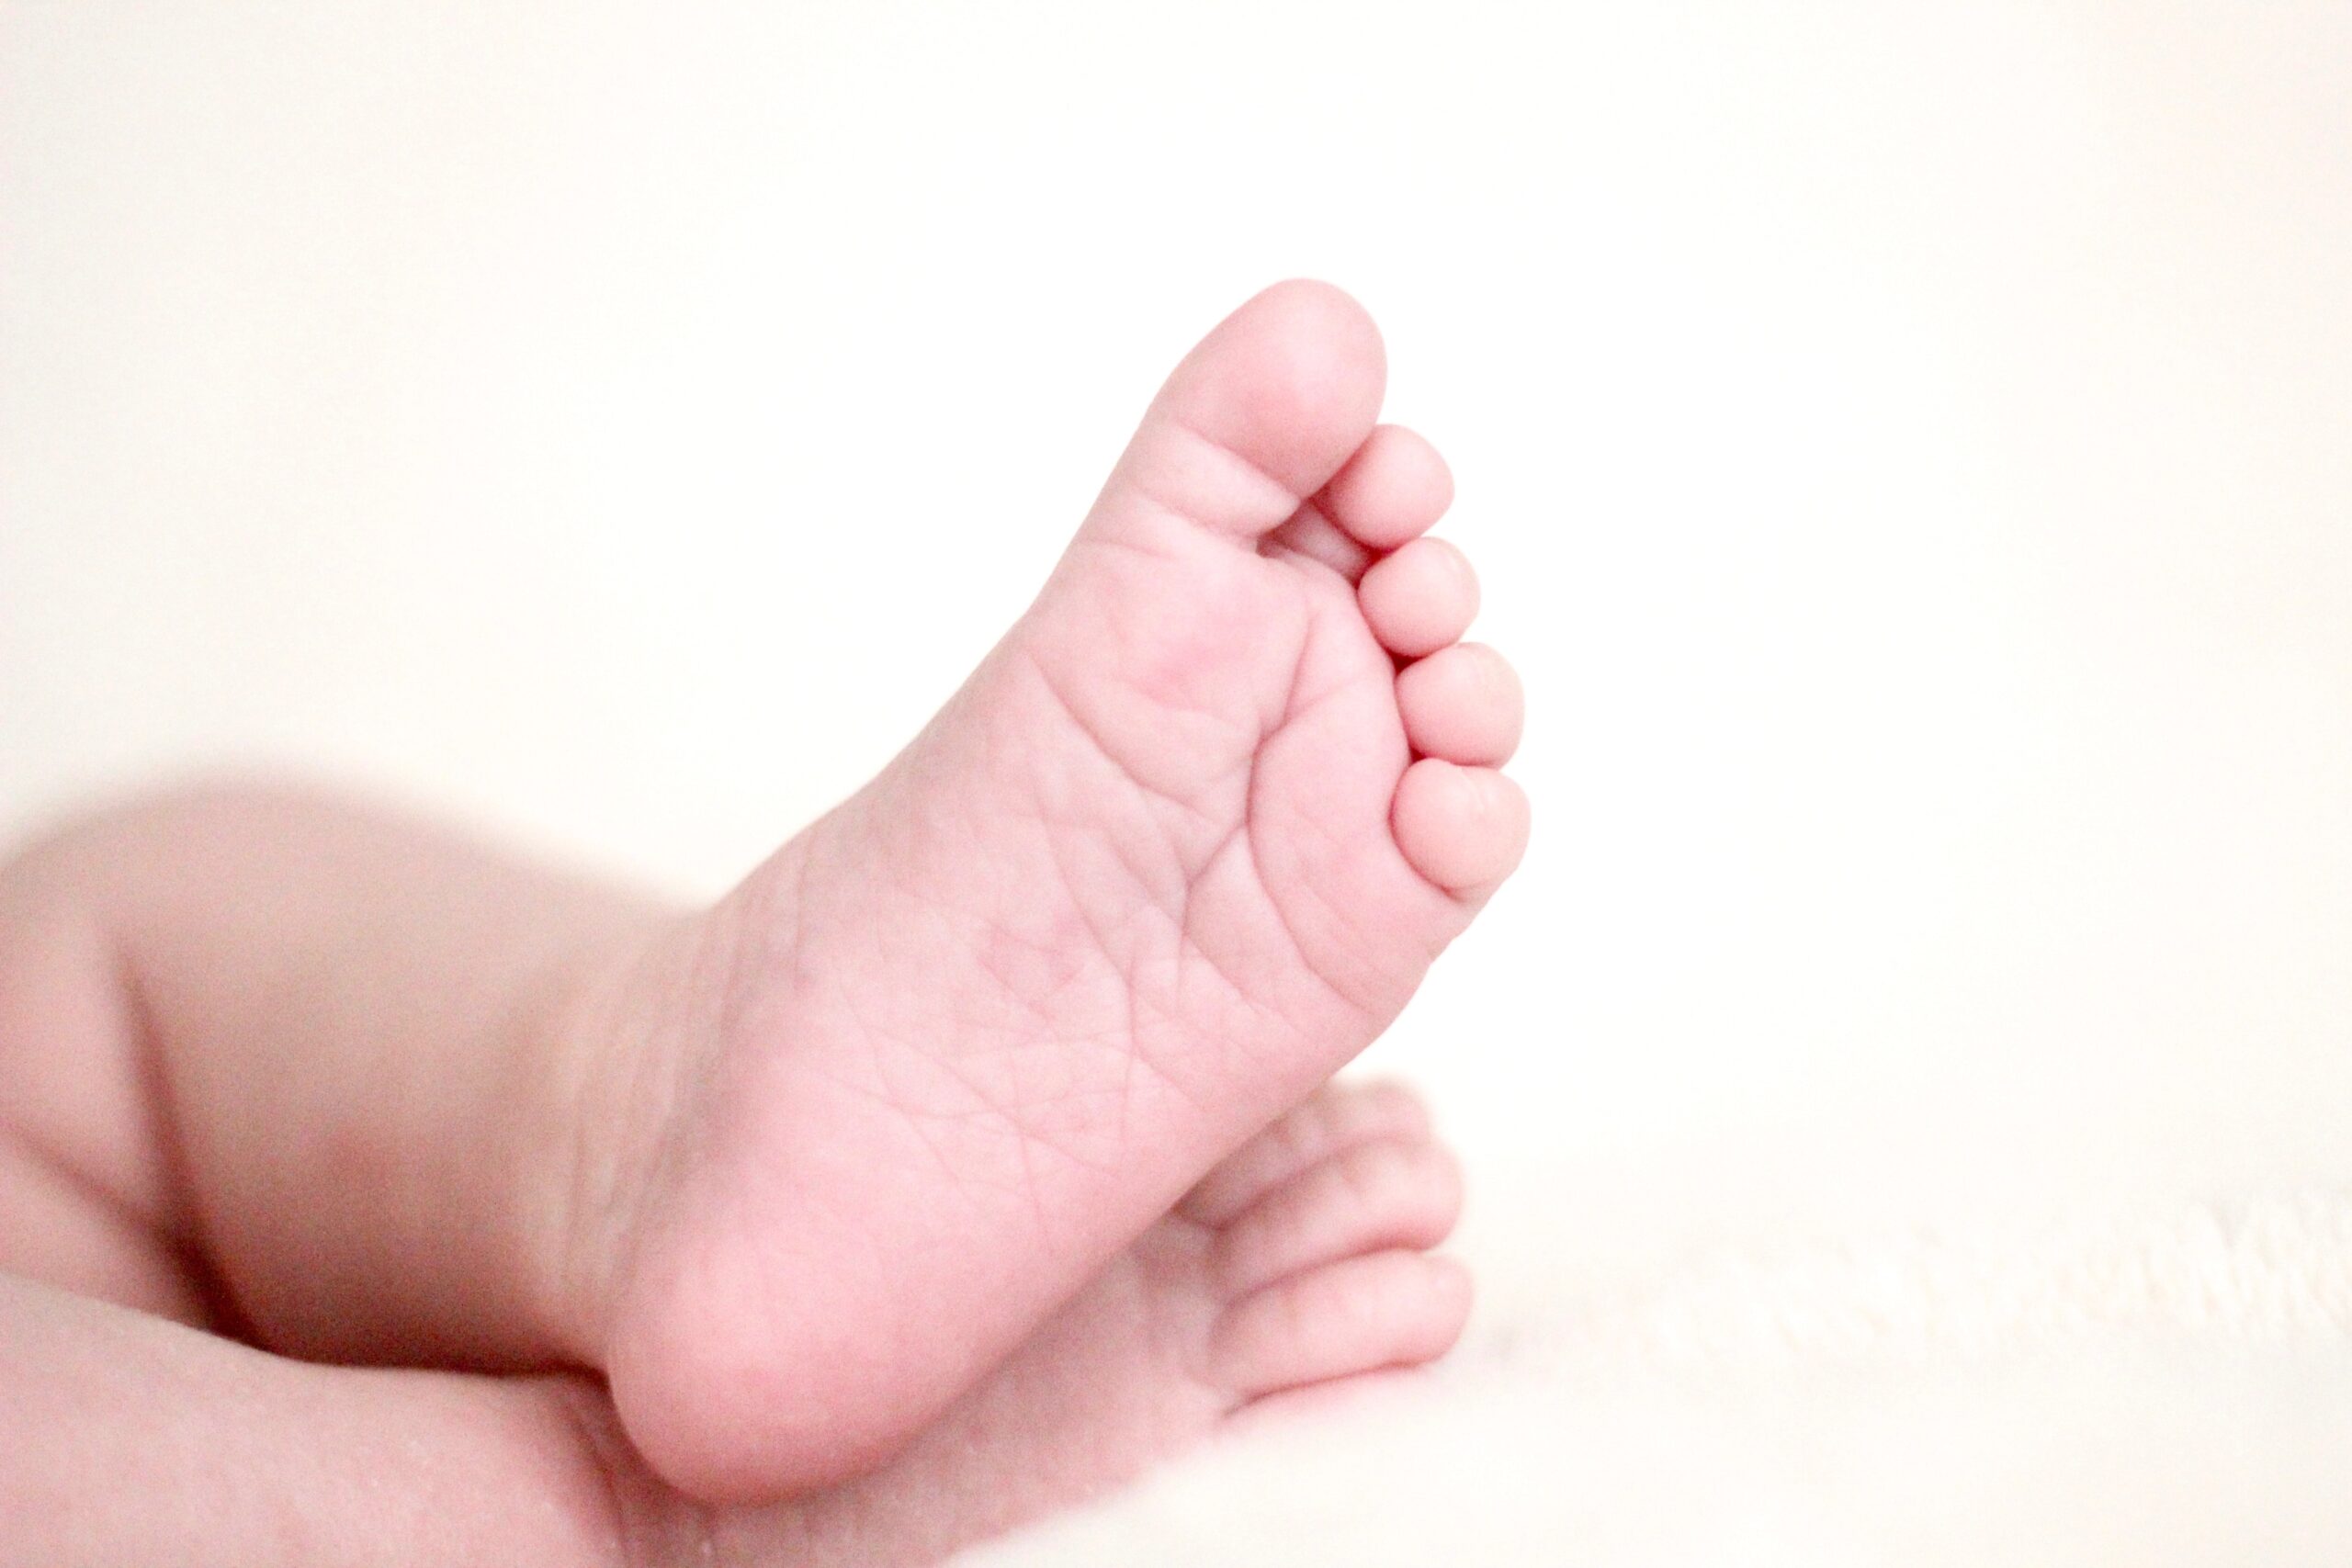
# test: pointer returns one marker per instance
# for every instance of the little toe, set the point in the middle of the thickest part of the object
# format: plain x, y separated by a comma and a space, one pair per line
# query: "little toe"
1392, 1194
1386, 1309
1463, 703
1340, 1117
1393, 488
1419, 599
1463, 828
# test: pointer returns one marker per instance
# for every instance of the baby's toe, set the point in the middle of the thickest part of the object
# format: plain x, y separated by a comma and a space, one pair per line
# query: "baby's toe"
1419, 599
1386, 1309
1395, 488
1396, 1192
1461, 828
1463, 703
1338, 1118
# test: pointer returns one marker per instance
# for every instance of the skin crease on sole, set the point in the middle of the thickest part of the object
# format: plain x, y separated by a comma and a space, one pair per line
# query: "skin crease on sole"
1178, 851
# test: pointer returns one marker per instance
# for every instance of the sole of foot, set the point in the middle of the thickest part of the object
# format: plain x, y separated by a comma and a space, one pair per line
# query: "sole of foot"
1179, 850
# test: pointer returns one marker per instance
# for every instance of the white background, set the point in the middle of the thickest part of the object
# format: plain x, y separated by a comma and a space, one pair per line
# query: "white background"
1909, 450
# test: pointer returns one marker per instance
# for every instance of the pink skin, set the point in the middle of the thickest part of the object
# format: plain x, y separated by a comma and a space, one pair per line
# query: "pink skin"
1295, 1272
802, 1172
1320, 1280
1156, 871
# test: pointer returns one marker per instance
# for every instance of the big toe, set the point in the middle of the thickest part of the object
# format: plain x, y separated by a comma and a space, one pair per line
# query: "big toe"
1257, 417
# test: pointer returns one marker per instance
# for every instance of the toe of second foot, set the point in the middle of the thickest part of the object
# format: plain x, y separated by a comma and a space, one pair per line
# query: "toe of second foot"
1391, 1192
1386, 1309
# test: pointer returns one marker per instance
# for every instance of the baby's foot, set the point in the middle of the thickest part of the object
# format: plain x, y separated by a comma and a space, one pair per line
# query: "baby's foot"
1165, 862
1296, 1268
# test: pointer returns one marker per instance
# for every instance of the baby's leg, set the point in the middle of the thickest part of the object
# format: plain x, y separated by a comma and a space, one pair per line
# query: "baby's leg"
131, 1440
278, 1066
1293, 1274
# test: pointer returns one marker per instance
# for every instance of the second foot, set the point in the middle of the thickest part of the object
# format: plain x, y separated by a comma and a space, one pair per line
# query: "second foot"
1298, 1268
